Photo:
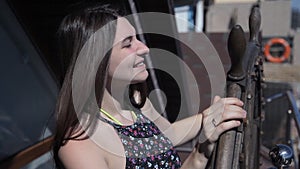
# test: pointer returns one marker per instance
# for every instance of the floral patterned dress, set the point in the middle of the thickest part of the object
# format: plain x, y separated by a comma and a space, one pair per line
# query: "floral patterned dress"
145, 145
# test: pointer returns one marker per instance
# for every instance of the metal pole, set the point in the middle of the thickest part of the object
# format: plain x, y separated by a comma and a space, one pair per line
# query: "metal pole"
147, 57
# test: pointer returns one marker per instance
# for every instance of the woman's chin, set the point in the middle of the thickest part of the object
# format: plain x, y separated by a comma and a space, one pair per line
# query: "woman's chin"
141, 77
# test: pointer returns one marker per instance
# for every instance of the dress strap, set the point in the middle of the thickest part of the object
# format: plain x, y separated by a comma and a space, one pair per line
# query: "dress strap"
134, 116
111, 117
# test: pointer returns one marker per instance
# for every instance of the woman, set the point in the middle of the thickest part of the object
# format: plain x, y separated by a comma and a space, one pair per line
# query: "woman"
124, 130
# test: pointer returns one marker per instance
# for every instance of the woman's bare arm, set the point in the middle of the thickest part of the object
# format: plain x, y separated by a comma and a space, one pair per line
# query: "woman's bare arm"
82, 154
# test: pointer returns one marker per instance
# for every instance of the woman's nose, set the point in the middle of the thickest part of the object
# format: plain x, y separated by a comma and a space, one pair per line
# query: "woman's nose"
142, 49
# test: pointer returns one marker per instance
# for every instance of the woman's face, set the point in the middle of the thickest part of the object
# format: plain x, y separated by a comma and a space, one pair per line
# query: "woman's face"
127, 57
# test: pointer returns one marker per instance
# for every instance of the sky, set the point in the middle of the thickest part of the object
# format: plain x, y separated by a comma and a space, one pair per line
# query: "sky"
296, 4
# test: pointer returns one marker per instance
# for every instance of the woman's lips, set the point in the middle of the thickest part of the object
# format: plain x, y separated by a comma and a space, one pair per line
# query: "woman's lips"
141, 63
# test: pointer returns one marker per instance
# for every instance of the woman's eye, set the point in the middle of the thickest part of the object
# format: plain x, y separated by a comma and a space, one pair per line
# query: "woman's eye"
127, 42
127, 45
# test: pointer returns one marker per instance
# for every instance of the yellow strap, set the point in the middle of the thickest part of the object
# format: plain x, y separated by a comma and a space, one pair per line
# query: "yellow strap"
134, 115
114, 119
111, 117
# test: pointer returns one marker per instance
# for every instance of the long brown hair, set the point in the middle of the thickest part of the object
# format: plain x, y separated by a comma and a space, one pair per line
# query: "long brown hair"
76, 30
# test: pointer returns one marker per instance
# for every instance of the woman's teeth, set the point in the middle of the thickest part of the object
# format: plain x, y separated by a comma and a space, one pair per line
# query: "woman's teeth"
139, 64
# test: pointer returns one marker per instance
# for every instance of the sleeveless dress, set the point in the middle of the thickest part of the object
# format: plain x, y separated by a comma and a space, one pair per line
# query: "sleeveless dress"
145, 145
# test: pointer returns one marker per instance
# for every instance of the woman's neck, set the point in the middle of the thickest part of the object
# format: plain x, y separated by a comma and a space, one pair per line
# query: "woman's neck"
110, 103
112, 106
117, 90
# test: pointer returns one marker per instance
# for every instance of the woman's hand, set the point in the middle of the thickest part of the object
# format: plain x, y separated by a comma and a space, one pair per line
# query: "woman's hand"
222, 115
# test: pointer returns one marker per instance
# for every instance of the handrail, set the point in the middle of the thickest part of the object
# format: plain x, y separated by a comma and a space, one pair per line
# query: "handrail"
29, 154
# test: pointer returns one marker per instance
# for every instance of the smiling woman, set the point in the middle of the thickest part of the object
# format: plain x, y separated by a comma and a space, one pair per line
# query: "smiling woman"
103, 113
127, 55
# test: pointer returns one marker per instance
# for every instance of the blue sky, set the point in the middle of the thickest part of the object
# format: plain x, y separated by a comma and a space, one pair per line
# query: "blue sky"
296, 4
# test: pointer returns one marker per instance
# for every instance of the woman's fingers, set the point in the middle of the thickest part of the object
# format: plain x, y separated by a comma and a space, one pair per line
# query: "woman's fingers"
216, 119
233, 116
223, 115
224, 126
222, 103
233, 112
231, 100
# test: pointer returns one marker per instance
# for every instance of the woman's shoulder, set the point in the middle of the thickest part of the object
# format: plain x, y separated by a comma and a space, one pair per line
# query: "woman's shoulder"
151, 113
77, 154
91, 151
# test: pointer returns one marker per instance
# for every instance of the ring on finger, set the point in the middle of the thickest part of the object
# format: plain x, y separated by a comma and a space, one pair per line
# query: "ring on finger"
214, 122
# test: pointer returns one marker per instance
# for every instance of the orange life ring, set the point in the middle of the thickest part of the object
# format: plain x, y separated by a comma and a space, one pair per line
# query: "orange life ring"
284, 56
